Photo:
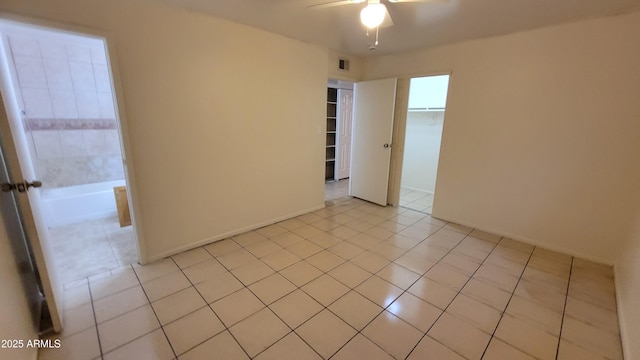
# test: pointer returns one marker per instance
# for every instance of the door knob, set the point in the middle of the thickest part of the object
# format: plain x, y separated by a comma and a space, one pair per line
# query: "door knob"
6, 187
21, 186
386, 146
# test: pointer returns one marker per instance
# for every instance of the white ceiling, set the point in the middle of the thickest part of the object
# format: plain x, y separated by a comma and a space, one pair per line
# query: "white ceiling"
417, 25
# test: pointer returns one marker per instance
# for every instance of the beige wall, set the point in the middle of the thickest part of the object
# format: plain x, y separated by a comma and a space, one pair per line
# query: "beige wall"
14, 312
541, 141
423, 136
225, 122
541, 135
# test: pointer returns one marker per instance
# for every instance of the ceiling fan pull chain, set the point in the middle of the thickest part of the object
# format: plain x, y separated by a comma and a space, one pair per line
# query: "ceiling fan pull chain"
377, 30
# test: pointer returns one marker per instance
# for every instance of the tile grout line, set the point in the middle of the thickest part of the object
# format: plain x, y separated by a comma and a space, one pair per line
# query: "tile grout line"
265, 305
458, 293
504, 311
247, 287
359, 332
372, 275
564, 309
157, 318
95, 319
208, 305
300, 287
323, 247
297, 288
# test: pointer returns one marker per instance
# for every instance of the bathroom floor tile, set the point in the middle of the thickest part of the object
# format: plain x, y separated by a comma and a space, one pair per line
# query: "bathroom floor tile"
111, 248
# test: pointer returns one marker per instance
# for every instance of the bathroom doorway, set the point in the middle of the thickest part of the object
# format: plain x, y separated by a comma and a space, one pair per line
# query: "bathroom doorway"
423, 136
63, 100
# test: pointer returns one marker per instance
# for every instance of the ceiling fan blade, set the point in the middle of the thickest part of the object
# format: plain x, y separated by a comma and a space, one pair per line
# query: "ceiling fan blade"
388, 21
415, 1
331, 4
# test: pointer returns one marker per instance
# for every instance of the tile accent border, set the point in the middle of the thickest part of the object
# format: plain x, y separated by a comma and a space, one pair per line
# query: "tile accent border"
69, 124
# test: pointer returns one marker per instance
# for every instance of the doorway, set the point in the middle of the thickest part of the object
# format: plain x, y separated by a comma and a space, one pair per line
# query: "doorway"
62, 89
338, 138
423, 136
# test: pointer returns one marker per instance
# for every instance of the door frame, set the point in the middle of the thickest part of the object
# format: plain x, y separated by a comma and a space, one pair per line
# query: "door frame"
119, 105
399, 133
19, 162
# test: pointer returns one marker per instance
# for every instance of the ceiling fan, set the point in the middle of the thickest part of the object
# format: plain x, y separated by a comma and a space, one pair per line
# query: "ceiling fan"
373, 16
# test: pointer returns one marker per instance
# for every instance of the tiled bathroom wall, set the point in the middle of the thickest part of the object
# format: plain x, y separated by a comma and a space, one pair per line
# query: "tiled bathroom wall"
65, 93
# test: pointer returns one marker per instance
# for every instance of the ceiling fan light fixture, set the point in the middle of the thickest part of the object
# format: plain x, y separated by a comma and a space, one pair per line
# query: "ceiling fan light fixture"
373, 15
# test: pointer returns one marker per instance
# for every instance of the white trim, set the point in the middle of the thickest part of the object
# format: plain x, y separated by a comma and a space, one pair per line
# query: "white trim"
624, 336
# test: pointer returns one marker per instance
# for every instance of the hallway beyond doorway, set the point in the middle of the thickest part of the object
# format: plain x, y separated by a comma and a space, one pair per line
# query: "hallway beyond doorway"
336, 189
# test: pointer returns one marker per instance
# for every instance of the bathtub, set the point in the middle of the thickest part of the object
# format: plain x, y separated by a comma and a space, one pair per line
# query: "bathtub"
73, 204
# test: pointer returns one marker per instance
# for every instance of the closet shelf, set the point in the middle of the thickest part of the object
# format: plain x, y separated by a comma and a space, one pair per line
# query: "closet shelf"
430, 109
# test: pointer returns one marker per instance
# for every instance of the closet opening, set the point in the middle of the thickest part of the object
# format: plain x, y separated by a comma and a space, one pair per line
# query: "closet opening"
423, 136
339, 126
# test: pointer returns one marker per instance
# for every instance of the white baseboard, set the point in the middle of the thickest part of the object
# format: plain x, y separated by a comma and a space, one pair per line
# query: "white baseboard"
230, 233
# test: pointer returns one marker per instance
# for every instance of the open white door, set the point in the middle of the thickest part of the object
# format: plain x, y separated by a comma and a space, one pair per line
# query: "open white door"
28, 197
373, 109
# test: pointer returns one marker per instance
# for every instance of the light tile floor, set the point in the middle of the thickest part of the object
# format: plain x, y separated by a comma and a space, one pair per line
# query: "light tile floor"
350, 281
416, 200
336, 189
92, 247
